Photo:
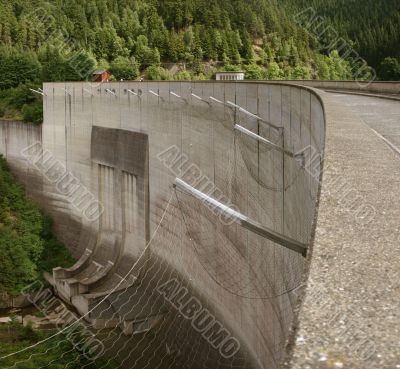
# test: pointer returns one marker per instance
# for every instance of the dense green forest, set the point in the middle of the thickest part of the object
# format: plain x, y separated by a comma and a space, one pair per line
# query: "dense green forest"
59, 352
27, 244
372, 27
58, 40
65, 40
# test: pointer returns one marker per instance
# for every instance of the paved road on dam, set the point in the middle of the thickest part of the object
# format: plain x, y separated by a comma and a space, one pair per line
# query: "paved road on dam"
350, 317
381, 115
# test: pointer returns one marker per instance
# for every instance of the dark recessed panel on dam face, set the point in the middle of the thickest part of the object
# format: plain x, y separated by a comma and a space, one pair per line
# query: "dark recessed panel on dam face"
121, 149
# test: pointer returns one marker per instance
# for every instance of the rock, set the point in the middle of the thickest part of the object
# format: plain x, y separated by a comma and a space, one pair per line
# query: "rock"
8, 319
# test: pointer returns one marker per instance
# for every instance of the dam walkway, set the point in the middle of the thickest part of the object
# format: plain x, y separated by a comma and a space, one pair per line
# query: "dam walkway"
350, 317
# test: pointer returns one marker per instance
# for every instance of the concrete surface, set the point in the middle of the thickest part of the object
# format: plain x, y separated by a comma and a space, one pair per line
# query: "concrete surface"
382, 116
245, 281
385, 96
378, 87
350, 316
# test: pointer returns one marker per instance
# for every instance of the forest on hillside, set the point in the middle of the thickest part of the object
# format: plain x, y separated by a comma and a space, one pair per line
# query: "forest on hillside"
57, 40
372, 27
27, 245
133, 35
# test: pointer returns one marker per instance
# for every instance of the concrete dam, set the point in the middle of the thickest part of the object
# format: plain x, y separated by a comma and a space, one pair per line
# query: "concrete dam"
191, 208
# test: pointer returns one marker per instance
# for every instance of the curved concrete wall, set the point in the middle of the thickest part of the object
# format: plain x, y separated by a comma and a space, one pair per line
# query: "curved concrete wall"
246, 281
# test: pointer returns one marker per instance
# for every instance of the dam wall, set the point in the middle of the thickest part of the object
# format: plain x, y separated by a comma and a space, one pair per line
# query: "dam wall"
17, 140
209, 188
14, 138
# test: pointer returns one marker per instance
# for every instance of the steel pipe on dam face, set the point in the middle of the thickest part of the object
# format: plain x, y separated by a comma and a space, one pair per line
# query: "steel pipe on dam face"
166, 278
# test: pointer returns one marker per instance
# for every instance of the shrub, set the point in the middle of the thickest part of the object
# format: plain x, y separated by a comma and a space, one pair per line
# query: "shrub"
301, 73
390, 69
125, 68
231, 68
153, 73
17, 67
255, 72
274, 71
20, 96
33, 113
165, 75
200, 77
183, 75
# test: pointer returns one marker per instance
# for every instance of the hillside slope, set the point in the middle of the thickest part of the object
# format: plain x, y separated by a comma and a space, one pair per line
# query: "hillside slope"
59, 40
217, 29
371, 26
135, 34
